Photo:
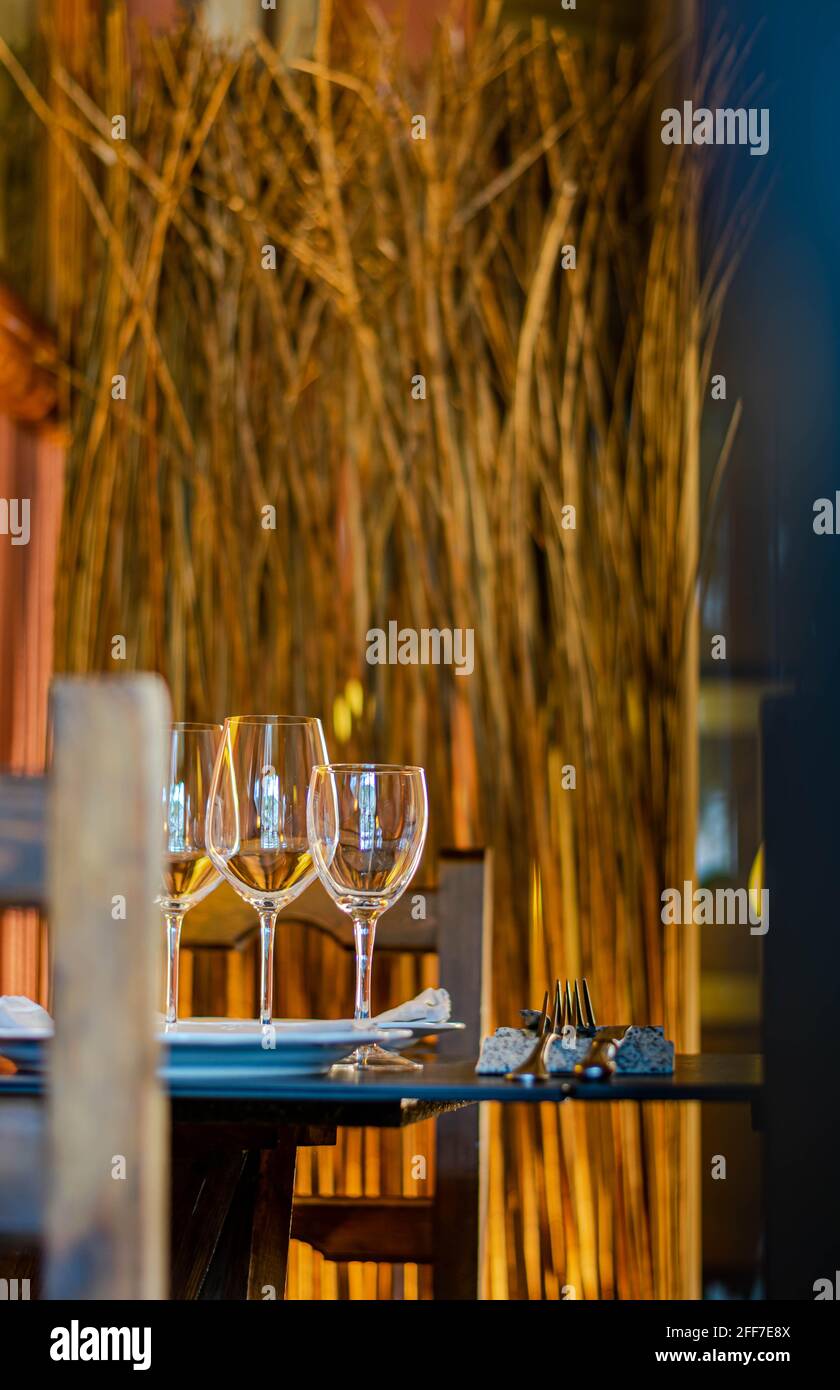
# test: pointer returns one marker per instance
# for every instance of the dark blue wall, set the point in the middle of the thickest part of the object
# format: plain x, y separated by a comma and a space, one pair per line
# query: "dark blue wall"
780, 350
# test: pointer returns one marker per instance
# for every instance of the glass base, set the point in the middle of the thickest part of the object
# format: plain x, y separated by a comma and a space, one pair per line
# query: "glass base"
372, 1055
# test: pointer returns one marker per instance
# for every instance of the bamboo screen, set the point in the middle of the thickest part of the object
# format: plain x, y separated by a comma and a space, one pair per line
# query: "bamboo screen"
272, 262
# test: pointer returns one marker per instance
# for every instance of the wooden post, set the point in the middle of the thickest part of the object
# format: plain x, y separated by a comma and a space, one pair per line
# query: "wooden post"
108, 1126
465, 914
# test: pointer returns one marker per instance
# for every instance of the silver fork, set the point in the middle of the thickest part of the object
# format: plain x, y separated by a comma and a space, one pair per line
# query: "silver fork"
570, 1013
584, 1013
599, 1062
535, 1067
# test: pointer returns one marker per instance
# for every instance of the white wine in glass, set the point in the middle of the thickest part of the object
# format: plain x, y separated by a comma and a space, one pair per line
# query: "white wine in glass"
187, 871
257, 836
367, 828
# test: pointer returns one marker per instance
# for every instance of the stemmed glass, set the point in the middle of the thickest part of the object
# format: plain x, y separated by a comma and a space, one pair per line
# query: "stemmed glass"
257, 835
187, 873
367, 828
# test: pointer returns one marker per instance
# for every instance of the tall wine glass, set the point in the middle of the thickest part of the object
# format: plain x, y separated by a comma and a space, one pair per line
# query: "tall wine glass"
257, 836
367, 828
188, 874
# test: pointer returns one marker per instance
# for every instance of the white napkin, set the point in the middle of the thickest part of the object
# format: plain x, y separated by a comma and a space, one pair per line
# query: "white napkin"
21, 1015
430, 1006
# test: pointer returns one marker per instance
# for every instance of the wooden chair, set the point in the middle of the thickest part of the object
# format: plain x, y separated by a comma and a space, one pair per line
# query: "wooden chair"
89, 1177
458, 928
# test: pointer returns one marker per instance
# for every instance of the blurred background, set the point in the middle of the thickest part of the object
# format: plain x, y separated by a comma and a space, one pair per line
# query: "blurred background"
286, 363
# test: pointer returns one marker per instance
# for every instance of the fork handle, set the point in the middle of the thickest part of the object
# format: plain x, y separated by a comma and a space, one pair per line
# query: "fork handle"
599, 1062
534, 1068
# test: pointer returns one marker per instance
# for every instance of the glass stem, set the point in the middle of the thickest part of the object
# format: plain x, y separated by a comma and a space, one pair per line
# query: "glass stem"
173, 945
364, 930
268, 918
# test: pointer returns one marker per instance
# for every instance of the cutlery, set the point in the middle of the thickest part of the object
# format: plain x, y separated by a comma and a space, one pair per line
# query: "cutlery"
577, 1015
573, 1013
535, 1067
599, 1062
579, 1010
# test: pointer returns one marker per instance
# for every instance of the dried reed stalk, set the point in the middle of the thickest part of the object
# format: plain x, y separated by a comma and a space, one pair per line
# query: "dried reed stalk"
546, 387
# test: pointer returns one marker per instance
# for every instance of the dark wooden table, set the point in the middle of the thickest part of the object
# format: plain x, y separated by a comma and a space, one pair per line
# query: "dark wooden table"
234, 1154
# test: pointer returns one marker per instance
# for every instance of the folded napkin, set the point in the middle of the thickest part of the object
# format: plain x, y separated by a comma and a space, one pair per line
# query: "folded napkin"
430, 1006
21, 1015
644, 1052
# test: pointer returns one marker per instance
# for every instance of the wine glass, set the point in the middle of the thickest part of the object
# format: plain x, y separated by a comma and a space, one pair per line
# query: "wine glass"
367, 828
257, 836
187, 874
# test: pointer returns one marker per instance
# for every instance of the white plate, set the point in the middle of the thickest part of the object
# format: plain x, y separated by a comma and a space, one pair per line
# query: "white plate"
27, 1051
420, 1030
292, 1047
236, 1033
25, 1031
242, 1049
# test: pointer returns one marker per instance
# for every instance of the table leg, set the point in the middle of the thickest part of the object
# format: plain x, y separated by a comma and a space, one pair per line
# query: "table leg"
227, 1270
249, 1260
231, 1218
203, 1189
272, 1220
232, 1196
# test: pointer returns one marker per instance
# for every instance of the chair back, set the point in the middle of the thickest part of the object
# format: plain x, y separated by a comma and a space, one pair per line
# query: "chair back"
84, 843
451, 918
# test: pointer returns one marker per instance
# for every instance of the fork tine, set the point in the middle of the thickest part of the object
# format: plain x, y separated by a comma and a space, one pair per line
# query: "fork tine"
543, 1016
578, 1010
590, 1022
557, 1019
568, 1011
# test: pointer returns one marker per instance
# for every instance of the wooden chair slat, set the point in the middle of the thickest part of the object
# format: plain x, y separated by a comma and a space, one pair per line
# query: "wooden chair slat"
106, 1232
464, 944
389, 1229
23, 802
462, 1156
205, 928
22, 1135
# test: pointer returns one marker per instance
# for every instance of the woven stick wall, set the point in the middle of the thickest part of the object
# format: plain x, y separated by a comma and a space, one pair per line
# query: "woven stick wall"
256, 379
